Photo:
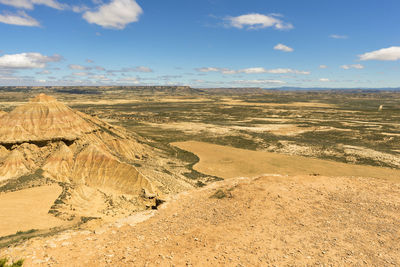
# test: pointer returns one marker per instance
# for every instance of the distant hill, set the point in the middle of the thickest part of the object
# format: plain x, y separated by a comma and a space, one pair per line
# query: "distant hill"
157, 90
179, 90
234, 91
353, 90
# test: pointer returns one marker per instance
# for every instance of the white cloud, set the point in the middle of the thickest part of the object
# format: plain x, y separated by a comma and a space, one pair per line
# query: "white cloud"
140, 69
20, 19
256, 70
27, 61
384, 54
44, 72
337, 36
115, 15
100, 77
323, 66
324, 80
134, 69
253, 70
283, 48
285, 71
354, 66
77, 67
209, 69
80, 74
29, 4
258, 21
259, 82
79, 9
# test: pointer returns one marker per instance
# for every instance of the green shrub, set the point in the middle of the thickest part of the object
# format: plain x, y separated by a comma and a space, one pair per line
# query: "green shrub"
18, 263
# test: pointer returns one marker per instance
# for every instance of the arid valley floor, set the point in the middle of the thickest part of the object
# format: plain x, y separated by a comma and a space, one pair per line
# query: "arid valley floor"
175, 176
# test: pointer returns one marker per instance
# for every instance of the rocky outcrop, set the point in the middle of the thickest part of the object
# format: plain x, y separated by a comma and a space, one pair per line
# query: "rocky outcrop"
75, 149
42, 119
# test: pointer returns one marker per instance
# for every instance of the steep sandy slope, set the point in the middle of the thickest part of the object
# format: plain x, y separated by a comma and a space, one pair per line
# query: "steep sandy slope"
42, 119
266, 221
46, 138
3, 152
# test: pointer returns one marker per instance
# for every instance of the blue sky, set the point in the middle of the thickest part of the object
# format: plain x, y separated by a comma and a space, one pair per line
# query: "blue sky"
207, 43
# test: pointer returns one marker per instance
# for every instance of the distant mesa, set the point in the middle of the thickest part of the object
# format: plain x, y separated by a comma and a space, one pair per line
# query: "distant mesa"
90, 158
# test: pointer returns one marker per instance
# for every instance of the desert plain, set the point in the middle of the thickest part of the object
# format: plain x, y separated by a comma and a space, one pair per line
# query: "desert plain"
176, 176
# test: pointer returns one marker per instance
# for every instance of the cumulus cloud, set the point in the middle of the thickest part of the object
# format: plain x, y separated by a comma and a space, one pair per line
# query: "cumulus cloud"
256, 70
44, 72
115, 15
252, 70
354, 66
27, 61
208, 69
337, 36
323, 66
259, 82
100, 78
20, 19
140, 69
283, 48
79, 9
81, 74
258, 21
77, 67
134, 69
285, 71
324, 80
29, 4
384, 54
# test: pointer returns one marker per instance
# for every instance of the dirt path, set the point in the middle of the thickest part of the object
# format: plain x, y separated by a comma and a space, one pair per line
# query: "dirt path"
229, 162
267, 221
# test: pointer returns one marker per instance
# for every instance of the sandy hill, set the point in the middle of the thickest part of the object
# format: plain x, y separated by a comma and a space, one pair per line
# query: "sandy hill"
44, 141
264, 221
43, 119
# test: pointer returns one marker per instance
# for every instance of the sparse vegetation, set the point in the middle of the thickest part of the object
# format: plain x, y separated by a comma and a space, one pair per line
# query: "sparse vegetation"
4, 263
25, 181
26, 232
220, 194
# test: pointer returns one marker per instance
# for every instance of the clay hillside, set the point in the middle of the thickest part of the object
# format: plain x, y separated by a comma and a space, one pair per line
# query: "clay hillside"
45, 141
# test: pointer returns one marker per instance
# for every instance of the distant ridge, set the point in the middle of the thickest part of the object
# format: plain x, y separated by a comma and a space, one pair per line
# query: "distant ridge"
235, 91
355, 89
151, 90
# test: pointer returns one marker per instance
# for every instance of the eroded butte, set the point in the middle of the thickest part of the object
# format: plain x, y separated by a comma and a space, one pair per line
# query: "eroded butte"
46, 142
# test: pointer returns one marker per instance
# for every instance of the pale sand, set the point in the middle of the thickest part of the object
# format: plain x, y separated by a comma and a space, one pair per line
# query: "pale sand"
229, 162
28, 209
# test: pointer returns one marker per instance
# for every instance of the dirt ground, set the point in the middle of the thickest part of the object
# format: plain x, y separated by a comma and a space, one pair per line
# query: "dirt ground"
229, 162
265, 221
27, 209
